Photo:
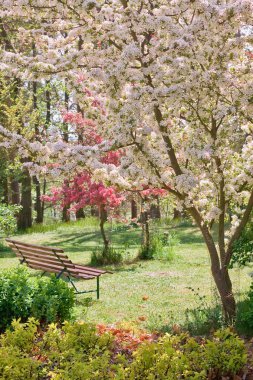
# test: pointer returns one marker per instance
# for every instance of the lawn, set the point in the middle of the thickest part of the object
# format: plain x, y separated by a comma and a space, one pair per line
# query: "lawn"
153, 293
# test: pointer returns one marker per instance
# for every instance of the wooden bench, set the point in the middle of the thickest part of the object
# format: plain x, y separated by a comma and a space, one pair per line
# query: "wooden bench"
51, 259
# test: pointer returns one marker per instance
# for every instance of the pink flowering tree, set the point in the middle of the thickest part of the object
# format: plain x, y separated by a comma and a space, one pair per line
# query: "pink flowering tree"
177, 82
82, 192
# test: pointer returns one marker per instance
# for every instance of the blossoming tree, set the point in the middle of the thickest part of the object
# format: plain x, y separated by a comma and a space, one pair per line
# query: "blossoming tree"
82, 192
178, 88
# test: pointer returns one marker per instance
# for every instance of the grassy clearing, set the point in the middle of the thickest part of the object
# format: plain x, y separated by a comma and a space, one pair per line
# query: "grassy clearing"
155, 291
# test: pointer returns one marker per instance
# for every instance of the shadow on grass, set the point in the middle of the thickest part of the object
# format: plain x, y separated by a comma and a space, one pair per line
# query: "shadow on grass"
6, 252
190, 236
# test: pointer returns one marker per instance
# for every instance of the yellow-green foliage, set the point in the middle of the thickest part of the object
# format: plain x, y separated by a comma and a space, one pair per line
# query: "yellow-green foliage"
77, 352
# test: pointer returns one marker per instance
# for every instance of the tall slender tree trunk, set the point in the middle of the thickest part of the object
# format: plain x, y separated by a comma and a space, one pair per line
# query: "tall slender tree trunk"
25, 215
144, 219
155, 211
15, 191
145, 230
103, 219
65, 213
134, 211
221, 277
6, 190
38, 203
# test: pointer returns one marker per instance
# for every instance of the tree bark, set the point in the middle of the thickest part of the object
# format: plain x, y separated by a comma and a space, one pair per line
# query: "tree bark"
145, 231
65, 214
155, 211
134, 211
224, 286
6, 190
80, 214
38, 203
25, 215
176, 214
103, 219
144, 219
15, 191
221, 277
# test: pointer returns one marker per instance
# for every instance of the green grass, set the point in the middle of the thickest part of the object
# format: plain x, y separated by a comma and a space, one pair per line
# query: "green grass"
166, 284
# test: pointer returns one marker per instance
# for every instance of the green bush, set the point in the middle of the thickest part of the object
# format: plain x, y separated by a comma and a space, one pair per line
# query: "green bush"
112, 256
243, 247
16, 352
79, 351
182, 357
244, 318
23, 296
225, 355
53, 300
162, 247
8, 222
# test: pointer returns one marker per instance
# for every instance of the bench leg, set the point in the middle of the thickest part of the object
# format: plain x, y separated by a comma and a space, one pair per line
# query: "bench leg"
97, 287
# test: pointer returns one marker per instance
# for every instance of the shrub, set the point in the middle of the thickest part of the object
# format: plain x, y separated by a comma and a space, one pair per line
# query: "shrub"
16, 296
16, 352
53, 300
162, 247
8, 223
112, 256
243, 247
225, 355
23, 295
244, 318
81, 351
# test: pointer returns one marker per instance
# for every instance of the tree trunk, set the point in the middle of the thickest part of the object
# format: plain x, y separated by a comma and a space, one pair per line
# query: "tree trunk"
38, 203
25, 215
176, 214
224, 286
145, 230
155, 212
221, 277
80, 214
6, 191
134, 211
103, 219
65, 214
219, 270
15, 192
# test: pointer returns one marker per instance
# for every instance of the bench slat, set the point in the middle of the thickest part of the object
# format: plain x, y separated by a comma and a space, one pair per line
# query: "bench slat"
89, 269
50, 260
55, 268
41, 254
41, 247
38, 251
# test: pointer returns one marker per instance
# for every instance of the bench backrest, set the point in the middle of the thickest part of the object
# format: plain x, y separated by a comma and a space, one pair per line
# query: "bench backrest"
48, 259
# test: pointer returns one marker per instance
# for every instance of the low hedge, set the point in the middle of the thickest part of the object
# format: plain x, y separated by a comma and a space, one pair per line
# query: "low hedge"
79, 351
22, 296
